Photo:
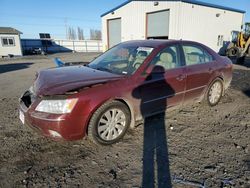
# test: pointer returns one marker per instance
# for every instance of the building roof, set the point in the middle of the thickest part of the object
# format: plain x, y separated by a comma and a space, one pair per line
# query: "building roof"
185, 1
9, 30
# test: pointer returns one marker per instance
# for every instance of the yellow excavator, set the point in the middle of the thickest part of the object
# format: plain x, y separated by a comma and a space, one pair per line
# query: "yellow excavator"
240, 45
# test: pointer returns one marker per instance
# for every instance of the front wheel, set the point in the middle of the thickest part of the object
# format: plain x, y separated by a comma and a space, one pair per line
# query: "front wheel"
215, 92
109, 123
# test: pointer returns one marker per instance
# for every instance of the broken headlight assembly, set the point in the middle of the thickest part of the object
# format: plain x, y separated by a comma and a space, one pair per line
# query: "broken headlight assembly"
63, 106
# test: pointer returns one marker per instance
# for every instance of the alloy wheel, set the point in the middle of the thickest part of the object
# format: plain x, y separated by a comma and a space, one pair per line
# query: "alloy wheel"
215, 93
111, 124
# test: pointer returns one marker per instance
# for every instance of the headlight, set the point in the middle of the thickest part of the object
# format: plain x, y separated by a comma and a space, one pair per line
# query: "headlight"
56, 106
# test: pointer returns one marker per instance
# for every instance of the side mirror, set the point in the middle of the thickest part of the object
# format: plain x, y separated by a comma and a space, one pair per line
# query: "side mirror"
155, 69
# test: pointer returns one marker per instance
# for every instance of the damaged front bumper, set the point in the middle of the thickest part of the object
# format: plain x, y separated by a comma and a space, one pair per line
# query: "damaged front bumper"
54, 126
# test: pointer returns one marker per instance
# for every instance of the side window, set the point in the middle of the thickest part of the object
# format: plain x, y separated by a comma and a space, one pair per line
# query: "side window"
168, 58
120, 55
196, 55
208, 57
11, 41
8, 41
5, 41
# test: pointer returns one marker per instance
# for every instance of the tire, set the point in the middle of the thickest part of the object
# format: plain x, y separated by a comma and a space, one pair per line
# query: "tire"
213, 97
101, 131
233, 52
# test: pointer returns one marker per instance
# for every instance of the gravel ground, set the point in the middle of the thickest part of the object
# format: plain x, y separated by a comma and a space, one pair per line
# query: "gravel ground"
205, 147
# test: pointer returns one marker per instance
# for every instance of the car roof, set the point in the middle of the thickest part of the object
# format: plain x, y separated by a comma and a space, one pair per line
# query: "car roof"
157, 42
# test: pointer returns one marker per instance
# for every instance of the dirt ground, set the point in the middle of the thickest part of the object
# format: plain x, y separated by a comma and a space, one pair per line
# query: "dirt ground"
205, 147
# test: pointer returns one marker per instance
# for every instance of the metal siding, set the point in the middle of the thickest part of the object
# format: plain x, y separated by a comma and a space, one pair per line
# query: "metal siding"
104, 34
200, 24
158, 24
133, 17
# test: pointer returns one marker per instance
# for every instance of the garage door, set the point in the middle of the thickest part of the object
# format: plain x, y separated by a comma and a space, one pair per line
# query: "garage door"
114, 32
158, 25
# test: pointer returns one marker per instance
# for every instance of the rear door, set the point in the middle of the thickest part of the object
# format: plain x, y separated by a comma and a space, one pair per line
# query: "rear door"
199, 69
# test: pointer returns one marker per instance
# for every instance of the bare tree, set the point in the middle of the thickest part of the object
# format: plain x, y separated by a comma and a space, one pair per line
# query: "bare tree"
80, 33
98, 35
71, 33
95, 34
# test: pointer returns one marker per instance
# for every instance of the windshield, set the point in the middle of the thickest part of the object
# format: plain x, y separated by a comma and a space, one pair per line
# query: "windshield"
121, 59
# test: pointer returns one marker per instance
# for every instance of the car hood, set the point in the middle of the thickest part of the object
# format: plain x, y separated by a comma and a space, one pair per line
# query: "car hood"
58, 81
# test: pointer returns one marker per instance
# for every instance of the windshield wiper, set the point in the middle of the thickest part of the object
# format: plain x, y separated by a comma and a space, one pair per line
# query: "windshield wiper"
104, 69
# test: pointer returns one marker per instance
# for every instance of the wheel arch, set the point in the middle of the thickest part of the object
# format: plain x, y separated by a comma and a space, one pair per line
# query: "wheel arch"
220, 77
120, 99
203, 98
130, 108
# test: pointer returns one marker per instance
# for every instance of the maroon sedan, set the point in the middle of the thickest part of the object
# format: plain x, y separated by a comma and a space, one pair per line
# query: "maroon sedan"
131, 81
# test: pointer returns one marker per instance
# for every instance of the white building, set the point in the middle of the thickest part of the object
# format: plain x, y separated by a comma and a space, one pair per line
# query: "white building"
171, 19
10, 42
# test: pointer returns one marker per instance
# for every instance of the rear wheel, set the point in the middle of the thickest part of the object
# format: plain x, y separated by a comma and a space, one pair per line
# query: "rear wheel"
109, 123
215, 92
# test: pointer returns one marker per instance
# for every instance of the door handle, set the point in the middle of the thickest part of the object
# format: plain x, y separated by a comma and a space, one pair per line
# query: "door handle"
180, 77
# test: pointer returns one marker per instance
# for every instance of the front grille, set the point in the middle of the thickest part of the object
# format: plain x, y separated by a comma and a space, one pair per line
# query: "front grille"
28, 98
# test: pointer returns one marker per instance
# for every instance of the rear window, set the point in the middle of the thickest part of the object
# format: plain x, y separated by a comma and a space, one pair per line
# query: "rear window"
196, 55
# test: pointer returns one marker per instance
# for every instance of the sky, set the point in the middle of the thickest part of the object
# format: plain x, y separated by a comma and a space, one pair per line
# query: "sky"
53, 16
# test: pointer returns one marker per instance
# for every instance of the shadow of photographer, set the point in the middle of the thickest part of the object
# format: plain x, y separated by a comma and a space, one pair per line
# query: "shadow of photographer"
156, 170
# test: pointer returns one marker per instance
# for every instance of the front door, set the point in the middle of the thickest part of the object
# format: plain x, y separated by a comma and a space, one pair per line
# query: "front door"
164, 87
